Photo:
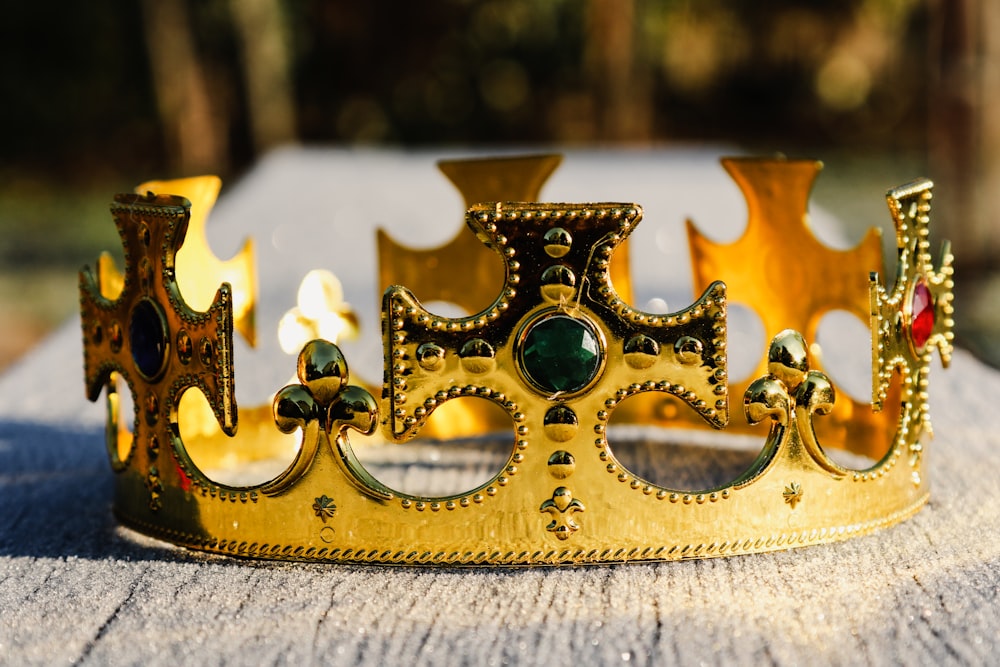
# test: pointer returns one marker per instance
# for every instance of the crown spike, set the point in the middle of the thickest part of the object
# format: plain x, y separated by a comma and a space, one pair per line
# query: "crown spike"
198, 269
510, 179
913, 317
778, 255
150, 337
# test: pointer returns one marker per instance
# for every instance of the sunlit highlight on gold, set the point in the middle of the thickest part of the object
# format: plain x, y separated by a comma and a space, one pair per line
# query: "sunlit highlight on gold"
199, 271
321, 312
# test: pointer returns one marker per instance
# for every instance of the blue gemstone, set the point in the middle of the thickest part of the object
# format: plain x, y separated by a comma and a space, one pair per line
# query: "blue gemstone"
147, 334
561, 354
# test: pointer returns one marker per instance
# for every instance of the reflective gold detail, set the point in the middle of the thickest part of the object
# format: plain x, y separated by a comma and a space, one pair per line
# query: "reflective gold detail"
206, 352
152, 405
325, 405
430, 356
557, 242
688, 350
477, 356
790, 394
561, 424
506, 323
792, 494
562, 436
154, 447
116, 338
430, 272
558, 284
561, 464
641, 351
561, 507
893, 354
324, 507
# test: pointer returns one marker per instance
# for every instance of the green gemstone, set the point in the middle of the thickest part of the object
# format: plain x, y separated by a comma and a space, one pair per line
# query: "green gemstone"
561, 354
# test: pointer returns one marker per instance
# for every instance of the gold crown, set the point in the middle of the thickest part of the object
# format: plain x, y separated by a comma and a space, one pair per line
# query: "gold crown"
560, 351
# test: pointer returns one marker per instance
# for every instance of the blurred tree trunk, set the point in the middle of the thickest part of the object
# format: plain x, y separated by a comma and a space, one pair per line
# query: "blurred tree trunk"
262, 28
624, 107
196, 130
965, 127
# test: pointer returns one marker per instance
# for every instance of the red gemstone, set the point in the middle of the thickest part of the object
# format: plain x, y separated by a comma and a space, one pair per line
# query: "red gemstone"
922, 314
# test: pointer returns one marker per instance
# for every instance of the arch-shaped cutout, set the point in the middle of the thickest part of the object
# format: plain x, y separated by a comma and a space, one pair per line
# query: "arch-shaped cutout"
446, 309
446, 468
120, 424
863, 439
684, 460
257, 454
746, 337
849, 460
845, 344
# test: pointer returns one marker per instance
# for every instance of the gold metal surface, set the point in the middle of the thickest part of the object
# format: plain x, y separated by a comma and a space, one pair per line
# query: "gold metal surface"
562, 495
790, 279
194, 348
199, 271
894, 352
431, 271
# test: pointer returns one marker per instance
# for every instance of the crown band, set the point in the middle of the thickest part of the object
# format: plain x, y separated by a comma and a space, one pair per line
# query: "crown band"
560, 352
